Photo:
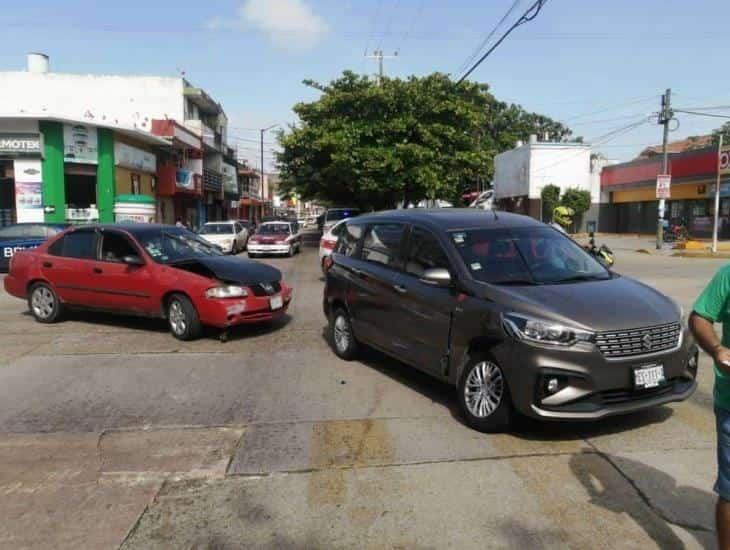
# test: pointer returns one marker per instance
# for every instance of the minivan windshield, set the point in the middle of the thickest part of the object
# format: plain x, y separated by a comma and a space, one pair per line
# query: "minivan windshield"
525, 255
336, 214
217, 229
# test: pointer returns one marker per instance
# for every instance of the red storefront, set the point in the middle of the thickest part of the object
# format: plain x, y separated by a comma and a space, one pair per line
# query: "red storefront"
631, 187
180, 175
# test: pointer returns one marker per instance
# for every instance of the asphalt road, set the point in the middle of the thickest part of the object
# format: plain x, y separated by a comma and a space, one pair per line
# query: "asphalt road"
114, 434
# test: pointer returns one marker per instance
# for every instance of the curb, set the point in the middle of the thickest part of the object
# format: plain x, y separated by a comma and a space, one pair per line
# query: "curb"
702, 254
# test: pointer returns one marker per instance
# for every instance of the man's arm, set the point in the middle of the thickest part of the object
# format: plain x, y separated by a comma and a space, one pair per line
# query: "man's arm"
704, 332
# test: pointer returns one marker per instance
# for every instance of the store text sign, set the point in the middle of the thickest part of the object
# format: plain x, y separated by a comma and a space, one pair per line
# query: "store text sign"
17, 145
663, 186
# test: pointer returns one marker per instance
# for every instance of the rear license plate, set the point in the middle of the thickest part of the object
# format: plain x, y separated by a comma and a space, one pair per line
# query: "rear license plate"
276, 302
649, 376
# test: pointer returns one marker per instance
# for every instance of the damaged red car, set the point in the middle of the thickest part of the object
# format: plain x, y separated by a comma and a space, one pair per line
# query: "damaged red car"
149, 270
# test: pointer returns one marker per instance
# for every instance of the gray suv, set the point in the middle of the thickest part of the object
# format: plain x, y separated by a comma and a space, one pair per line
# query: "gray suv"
514, 314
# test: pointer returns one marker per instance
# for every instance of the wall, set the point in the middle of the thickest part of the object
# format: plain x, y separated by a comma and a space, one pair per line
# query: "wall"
123, 182
105, 176
54, 193
130, 101
562, 165
19, 125
679, 191
510, 173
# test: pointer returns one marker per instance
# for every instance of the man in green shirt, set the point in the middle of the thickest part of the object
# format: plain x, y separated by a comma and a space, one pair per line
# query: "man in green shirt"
713, 306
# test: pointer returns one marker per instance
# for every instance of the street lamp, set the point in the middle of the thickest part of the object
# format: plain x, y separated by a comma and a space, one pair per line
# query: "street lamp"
263, 131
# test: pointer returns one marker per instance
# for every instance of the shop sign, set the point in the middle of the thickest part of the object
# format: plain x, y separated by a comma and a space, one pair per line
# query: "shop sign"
725, 161
28, 191
20, 145
724, 190
80, 144
663, 185
185, 179
230, 182
127, 156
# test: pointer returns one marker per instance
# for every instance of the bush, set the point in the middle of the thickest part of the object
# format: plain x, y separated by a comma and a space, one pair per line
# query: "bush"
577, 199
550, 196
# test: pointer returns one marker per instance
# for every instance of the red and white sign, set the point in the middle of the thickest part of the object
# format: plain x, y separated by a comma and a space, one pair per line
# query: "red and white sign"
725, 161
663, 185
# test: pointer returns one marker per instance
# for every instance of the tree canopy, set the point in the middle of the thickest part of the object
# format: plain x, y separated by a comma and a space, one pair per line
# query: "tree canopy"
373, 145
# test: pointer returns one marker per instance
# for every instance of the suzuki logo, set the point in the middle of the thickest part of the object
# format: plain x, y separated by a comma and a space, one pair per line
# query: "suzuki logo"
646, 341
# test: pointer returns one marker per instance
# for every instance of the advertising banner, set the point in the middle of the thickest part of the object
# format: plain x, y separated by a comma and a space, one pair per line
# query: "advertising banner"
28, 191
230, 180
134, 158
725, 161
184, 179
80, 144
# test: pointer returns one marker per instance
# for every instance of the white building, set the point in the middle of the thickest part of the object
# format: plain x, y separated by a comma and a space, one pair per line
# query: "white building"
133, 103
521, 174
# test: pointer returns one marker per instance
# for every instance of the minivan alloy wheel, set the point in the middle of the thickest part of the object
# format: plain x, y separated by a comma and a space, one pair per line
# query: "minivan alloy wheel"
43, 302
484, 389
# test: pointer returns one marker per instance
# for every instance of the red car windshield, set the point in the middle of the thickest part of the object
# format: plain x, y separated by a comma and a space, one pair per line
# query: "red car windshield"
274, 229
168, 247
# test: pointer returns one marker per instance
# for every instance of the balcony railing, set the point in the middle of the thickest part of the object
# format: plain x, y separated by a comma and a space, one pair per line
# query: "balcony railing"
212, 181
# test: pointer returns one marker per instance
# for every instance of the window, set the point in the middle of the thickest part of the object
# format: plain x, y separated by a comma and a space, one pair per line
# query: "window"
217, 229
424, 252
675, 209
115, 246
78, 244
699, 208
527, 255
349, 239
338, 229
725, 207
382, 243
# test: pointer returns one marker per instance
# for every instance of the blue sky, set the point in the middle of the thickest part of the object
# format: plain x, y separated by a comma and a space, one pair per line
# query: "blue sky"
596, 66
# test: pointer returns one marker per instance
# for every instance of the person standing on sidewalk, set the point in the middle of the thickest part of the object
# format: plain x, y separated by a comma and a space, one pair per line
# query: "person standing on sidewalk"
713, 306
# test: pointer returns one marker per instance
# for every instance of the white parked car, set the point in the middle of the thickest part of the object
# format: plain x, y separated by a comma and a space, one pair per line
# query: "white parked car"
329, 240
231, 237
279, 237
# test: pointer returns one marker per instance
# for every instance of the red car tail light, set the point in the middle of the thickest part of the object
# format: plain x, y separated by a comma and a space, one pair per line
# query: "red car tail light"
327, 244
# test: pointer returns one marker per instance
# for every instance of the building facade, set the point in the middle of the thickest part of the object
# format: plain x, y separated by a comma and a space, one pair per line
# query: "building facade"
98, 136
632, 206
521, 174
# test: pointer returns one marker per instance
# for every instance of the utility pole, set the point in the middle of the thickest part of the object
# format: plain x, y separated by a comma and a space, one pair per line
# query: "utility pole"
717, 199
665, 116
263, 202
378, 54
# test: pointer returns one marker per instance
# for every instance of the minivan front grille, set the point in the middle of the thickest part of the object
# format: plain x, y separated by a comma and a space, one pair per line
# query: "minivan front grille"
640, 341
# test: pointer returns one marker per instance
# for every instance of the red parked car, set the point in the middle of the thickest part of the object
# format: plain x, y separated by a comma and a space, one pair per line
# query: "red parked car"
150, 270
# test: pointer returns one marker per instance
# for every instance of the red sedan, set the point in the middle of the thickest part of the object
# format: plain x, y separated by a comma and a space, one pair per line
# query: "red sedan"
150, 270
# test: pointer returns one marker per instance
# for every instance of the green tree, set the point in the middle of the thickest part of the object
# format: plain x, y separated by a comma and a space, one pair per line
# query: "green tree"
723, 131
405, 140
579, 200
550, 196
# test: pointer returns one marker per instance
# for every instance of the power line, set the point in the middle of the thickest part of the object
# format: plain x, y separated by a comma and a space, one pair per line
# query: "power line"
612, 107
419, 13
713, 115
388, 22
484, 42
371, 32
532, 12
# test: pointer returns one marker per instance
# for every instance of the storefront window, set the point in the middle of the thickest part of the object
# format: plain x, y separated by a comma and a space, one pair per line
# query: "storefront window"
725, 207
699, 208
675, 209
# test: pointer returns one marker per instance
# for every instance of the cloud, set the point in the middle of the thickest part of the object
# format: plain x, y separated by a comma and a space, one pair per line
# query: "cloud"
288, 24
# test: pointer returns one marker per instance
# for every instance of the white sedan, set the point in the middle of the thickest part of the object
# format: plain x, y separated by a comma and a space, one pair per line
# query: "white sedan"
231, 237
329, 240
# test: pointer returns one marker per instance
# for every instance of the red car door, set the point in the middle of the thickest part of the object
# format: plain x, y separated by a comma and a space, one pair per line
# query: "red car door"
120, 277
68, 266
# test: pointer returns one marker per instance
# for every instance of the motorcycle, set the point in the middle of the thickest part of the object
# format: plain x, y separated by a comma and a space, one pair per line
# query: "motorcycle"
601, 253
675, 232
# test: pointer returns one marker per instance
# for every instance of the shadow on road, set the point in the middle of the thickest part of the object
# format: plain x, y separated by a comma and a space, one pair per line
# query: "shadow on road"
669, 503
148, 324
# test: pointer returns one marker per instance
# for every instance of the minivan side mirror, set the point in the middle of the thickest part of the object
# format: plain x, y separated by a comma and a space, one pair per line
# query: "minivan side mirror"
133, 260
437, 276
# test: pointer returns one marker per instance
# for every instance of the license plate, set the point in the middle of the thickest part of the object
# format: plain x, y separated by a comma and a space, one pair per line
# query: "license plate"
276, 302
648, 377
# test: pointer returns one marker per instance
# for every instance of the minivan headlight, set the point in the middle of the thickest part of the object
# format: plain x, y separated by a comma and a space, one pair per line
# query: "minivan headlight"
226, 291
543, 331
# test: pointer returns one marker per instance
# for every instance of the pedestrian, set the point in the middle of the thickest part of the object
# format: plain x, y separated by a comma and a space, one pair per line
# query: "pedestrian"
179, 223
713, 306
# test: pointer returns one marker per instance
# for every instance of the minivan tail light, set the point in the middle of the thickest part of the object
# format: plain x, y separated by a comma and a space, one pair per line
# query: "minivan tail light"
328, 244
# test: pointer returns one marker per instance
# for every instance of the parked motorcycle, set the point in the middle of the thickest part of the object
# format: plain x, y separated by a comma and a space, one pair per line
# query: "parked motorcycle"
675, 231
601, 253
